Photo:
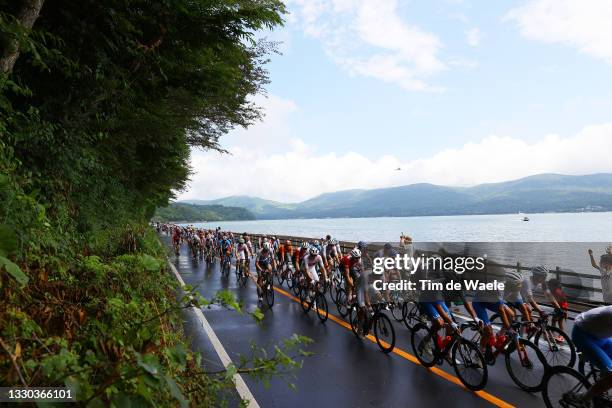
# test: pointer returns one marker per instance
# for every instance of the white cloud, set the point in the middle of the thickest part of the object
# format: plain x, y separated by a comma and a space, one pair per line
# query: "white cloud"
473, 37
369, 38
268, 161
585, 25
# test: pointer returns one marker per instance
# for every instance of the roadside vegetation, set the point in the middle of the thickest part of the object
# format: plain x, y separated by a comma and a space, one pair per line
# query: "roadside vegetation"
100, 103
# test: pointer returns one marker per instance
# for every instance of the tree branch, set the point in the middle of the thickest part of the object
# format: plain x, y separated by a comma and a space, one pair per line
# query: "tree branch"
27, 15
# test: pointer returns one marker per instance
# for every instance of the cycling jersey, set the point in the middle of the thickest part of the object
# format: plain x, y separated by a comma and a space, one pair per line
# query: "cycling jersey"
354, 265
592, 334
264, 258
310, 263
286, 250
242, 251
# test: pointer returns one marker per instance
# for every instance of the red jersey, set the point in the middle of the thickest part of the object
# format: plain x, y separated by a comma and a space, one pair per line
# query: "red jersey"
350, 262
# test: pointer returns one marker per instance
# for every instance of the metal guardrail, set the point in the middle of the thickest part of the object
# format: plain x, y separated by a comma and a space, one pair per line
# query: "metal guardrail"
576, 304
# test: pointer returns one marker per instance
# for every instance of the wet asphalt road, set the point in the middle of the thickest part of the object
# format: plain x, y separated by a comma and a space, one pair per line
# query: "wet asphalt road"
344, 371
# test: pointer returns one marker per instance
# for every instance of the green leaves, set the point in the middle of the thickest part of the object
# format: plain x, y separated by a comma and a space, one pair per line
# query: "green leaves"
8, 245
14, 271
8, 240
151, 264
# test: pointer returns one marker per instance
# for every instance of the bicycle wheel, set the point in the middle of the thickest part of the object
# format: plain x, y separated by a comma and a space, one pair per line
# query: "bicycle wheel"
412, 315
356, 325
297, 284
423, 344
342, 303
384, 333
526, 365
469, 365
321, 307
269, 292
556, 352
397, 311
305, 298
560, 384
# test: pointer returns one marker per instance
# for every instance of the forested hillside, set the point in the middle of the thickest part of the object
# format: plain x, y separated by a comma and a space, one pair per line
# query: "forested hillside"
100, 103
195, 213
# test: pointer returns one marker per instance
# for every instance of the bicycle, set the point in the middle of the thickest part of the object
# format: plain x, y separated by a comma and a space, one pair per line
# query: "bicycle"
241, 272
546, 338
413, 314
563, 384
312, 296
226, 264
267, 289
524, 361
362, 323
464, 355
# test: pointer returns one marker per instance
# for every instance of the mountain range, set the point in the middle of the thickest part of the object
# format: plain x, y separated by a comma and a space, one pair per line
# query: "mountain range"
539, 193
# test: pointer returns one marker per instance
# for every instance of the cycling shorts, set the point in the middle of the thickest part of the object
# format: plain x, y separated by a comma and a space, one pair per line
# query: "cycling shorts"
429, 308
517, 305
312, 272
597, 351
481, 310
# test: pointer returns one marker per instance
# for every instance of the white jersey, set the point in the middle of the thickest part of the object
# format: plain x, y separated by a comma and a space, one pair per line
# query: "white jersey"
310, 263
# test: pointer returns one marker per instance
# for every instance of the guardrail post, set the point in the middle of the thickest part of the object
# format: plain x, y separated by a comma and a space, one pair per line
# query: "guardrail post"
558, 274
518, 267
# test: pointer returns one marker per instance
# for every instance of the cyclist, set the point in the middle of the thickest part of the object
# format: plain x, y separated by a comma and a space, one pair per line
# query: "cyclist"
592, 334
352, 268
298, 255
512, 293
311, 261
242, 254
386, 252
176, 239
285, 252
491, 300
264, 264
333, 252
538, 278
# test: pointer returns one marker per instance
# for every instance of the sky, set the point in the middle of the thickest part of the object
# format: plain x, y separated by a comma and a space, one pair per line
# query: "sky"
379, 93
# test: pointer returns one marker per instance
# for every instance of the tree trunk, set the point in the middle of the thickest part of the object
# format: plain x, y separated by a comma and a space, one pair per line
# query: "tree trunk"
27, 15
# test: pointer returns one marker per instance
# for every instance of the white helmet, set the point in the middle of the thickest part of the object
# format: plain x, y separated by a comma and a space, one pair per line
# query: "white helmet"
334, 241
305, 245
540, 271
514, 277
313, 251
356, 253
266, 245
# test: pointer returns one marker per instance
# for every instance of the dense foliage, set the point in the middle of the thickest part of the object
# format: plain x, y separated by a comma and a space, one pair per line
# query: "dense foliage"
195, 213
100, 102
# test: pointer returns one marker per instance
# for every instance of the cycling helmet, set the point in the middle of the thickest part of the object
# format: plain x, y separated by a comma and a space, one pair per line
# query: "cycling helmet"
288, 242
316, 243
362, 245
539, 271
304, 245
334, 241
241, 240
313, 251
388, 246
266, 245
356, 253
514, 278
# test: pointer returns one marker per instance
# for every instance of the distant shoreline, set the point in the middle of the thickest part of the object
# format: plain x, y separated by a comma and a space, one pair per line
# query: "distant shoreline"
394, 216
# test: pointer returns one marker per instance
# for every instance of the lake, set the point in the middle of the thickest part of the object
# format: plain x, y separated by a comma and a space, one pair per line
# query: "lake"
563, 227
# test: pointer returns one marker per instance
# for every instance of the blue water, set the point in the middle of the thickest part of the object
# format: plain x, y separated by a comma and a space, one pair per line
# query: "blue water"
564, 227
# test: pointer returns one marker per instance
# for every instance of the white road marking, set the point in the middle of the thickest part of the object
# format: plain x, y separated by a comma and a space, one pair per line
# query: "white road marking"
241, 387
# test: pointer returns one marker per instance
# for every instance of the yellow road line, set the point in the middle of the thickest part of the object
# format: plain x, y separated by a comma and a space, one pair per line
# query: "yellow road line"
435, 370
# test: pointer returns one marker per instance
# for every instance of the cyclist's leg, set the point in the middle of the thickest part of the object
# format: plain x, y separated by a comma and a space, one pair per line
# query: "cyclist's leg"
480, 309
